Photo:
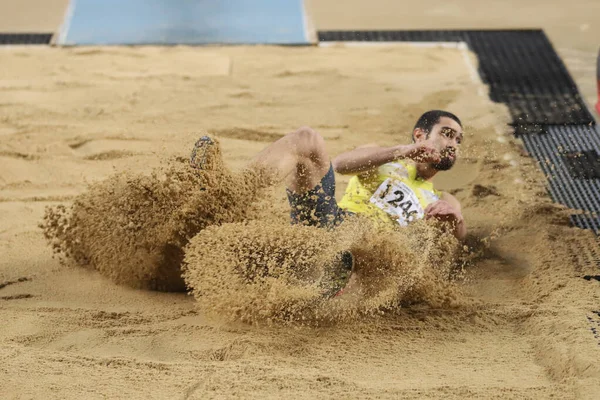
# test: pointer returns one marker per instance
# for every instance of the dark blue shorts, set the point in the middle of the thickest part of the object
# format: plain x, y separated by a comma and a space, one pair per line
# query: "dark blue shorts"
318, 206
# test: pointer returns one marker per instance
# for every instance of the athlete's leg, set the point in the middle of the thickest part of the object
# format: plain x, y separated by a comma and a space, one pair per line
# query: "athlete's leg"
299, 157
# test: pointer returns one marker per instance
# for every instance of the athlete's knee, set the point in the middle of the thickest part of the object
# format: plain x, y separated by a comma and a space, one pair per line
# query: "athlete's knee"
306, 133
309, 141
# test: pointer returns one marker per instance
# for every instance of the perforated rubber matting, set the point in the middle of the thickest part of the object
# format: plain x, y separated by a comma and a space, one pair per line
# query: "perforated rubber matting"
25, 38
594, 320
568, 155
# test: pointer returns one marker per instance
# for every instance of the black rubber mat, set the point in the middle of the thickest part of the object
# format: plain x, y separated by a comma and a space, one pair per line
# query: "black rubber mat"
568, 157
594, 320
521, 68
582, 164
25, 38
392, 36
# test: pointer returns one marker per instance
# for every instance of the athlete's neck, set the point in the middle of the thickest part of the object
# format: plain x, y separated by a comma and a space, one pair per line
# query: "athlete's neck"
425, 171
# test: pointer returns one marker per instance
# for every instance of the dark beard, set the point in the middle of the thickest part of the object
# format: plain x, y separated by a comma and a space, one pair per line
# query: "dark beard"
444, 165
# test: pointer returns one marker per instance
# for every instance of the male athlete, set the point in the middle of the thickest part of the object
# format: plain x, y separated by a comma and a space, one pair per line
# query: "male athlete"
391, 184
388, 184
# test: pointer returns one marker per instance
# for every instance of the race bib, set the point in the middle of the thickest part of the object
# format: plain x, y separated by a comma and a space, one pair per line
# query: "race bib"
398, 200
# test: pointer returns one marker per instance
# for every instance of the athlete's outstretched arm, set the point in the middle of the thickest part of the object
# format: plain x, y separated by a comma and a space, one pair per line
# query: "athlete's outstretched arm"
368, 157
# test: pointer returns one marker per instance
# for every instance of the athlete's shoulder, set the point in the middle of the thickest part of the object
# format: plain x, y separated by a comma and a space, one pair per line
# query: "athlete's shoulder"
398, 167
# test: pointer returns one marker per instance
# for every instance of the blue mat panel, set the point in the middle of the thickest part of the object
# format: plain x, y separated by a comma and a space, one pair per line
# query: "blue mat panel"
131, 22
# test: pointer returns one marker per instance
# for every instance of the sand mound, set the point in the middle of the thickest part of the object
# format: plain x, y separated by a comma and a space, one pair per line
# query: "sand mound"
264, 271
132, 228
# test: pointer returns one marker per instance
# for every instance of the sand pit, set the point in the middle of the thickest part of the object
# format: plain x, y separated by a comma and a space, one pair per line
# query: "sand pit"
518, 326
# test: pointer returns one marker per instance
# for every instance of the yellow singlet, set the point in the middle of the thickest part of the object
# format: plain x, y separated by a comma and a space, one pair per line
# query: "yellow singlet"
392, 193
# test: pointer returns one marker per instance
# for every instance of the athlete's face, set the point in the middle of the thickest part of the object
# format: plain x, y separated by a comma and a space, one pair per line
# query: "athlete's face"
446, 137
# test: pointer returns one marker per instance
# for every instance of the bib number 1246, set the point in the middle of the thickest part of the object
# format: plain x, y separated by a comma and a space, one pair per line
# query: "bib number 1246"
398, 200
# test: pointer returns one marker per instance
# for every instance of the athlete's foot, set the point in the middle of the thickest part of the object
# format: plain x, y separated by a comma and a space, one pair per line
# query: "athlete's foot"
337, 276
199, 152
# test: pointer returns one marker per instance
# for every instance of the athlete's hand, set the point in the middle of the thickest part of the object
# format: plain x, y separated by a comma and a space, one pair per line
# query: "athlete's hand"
441, 210
419, 153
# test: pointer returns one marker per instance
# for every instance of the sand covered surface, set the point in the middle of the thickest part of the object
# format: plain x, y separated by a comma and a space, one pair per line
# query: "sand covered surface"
573, 30
507, 316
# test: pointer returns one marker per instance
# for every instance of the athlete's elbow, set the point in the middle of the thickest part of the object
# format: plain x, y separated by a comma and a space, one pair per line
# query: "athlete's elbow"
341, 166
337, 165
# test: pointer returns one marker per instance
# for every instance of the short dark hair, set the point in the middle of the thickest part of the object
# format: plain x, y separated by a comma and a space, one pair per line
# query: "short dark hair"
432, 117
